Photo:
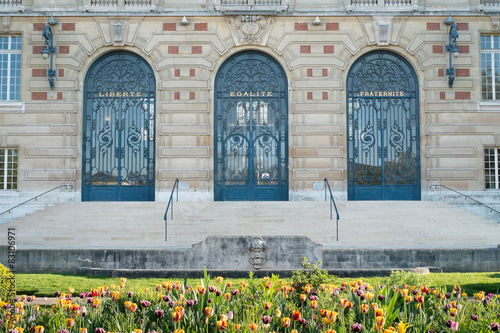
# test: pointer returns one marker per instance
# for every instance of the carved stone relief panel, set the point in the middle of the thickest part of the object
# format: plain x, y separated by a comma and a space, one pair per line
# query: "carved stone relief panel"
250, 29
257, 247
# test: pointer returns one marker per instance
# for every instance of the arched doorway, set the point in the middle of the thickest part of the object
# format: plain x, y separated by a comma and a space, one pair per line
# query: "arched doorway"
119, 129
251, 129
383, 129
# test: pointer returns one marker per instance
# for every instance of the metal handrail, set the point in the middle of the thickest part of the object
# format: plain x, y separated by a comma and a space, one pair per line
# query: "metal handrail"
168, 206
433, 187
332, 204
68, 187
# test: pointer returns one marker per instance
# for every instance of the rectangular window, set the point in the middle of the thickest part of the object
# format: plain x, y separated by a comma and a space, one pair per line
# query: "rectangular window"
10, 68
491, 168
8, 169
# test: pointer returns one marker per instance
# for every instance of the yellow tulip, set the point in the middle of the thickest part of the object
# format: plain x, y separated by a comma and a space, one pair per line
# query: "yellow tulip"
402, 327
285, 322
70, 322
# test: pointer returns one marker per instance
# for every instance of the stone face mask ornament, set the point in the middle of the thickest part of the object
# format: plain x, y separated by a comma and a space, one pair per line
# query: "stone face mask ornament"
257, 247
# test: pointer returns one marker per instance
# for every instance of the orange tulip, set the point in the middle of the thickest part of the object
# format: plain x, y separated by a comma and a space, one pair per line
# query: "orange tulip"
133, 307
222, 325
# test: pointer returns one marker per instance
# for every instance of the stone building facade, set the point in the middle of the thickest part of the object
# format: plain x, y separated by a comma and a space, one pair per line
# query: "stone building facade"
356, 91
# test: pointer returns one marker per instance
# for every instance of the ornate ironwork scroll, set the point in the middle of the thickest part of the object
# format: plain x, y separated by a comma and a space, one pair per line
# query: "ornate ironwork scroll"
383, 140
119, 129
251, 129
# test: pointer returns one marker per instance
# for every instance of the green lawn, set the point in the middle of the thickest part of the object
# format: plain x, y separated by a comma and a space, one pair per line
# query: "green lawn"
42, 285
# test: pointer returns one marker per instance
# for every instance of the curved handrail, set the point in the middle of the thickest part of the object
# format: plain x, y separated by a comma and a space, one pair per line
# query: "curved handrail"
332, 201
433, 187
68, 187
176, 182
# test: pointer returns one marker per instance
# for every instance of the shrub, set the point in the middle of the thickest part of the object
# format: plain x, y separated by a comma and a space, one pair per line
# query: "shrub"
401, 277
7, 284
311, 275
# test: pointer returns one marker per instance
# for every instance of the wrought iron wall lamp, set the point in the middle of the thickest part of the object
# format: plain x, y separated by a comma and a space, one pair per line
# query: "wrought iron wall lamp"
452, 49
49, 49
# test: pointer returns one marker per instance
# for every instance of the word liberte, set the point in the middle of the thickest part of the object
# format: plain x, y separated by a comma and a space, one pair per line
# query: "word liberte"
120, 94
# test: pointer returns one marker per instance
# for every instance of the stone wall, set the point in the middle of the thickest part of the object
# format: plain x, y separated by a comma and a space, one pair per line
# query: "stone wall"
455, 125
235, 253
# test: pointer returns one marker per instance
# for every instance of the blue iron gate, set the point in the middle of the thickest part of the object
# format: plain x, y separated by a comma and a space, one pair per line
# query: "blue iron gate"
383, 139
118, 129
251, 129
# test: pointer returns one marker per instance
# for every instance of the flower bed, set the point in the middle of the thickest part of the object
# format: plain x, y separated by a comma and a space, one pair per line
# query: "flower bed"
259, 305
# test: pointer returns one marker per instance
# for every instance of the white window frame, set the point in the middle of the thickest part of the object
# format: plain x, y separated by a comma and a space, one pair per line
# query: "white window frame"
7, 166
496, 169
493, 52
10, 52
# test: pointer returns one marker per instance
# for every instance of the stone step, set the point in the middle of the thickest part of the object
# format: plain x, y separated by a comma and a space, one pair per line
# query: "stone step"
362, 224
